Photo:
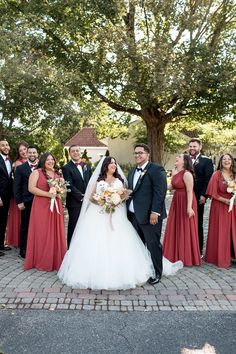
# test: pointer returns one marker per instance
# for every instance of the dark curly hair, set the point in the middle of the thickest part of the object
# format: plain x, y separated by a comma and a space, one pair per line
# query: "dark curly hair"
188, 165
42, 161
233, 165
103, 173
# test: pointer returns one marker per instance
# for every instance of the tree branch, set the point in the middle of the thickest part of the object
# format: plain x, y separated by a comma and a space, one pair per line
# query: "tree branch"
178, 111
202, 28
146, 21
220, 25
112, 104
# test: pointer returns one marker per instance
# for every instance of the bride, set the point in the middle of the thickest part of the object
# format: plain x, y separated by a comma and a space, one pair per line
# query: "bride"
105, 251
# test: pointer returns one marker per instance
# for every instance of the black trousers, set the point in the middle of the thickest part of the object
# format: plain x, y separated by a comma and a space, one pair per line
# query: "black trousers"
151, 236
200, 212
3, 219
25, 217
73, 218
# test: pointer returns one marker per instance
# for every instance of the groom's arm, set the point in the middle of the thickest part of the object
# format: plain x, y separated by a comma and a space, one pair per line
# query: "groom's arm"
159, 185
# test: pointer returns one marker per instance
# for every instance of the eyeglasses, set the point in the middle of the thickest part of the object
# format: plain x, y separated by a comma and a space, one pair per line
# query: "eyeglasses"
139, 153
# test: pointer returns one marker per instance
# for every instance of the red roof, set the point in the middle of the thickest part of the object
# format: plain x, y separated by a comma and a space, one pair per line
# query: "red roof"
85, 137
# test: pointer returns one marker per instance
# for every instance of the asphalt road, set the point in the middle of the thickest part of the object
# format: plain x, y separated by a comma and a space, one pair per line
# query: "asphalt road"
38, 332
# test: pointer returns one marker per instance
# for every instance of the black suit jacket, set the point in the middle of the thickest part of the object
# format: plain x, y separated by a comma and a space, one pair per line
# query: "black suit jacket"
203, 169
77, 183
6, 181
20, 184
149, 192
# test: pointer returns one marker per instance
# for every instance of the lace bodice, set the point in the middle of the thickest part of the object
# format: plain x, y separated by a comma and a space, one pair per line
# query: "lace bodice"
103, 184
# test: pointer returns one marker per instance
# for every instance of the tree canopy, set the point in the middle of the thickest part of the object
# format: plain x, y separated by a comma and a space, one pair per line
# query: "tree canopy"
161, 60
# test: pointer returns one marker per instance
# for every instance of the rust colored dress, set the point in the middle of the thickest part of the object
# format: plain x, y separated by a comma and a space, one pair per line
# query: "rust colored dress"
181, 234
222, 224
46, 245
14, 221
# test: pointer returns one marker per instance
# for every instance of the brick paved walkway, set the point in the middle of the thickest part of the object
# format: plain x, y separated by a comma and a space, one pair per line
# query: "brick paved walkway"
205, 288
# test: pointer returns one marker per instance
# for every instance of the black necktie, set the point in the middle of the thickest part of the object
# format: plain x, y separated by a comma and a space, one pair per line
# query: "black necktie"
139, 169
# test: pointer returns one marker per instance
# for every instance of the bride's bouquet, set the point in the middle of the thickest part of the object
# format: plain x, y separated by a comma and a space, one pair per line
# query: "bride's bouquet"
110, 198
58, 188
231, 188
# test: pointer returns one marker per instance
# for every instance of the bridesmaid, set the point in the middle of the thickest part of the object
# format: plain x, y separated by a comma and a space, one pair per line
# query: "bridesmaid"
46, 245
181, 234
13, 223
221, 240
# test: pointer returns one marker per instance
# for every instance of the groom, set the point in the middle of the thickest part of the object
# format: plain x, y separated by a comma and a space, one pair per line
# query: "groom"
146, 207
77, 174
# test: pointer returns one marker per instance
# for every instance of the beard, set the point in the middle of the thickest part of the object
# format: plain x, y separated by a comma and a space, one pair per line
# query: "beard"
194, 154
32, 159
4, 153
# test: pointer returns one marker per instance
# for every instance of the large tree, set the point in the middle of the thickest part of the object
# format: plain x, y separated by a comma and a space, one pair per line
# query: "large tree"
161, 60
38, 100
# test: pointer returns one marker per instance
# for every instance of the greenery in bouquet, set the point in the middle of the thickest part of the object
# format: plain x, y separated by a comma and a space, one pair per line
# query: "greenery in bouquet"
58, 187
109, 198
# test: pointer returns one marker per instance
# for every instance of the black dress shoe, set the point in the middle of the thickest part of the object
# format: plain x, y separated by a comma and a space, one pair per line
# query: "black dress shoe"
1, 254
153, 281
5, 248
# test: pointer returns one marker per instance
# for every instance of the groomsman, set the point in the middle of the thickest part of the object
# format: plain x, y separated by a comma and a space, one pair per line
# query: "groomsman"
5, 191
146, 207
203, 169
77, 173
22, 195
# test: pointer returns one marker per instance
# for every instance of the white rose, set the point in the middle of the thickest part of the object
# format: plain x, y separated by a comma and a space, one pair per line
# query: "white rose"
115, 198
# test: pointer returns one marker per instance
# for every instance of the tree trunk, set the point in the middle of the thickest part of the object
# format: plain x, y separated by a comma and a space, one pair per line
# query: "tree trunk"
156, 142
155, 123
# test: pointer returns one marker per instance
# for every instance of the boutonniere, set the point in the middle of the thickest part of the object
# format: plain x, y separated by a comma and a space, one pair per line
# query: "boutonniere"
142, 175
196, 162
84, 168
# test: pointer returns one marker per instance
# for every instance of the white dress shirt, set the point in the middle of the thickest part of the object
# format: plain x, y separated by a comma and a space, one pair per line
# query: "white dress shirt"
7, 163
32, 165
195, 158
80, 169
135, 180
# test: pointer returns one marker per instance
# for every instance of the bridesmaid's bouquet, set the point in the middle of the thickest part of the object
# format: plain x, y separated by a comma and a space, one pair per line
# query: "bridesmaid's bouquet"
58, 188
109, 198
231, 188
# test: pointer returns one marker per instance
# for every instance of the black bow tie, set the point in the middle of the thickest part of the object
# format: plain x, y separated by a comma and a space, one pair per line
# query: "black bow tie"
139, 169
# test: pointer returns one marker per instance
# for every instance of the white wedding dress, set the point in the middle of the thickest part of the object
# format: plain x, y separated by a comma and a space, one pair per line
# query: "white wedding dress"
107, 253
